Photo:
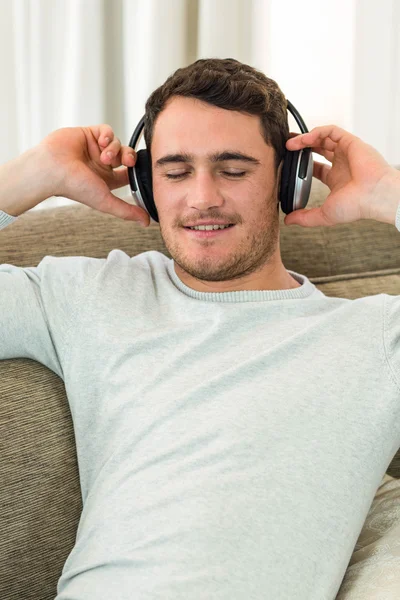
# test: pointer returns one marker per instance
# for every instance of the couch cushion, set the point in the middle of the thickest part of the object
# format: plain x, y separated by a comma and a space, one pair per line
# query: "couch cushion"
374, 569
40, 502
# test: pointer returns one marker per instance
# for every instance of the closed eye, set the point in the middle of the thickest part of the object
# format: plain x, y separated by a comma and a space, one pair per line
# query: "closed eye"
180, 175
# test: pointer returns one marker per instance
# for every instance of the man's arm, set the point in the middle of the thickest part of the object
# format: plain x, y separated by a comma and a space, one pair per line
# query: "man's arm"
362, 184
39, 305
72, 162
25, 181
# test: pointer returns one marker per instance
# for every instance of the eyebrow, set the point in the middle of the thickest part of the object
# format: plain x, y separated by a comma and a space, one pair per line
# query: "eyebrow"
216, 157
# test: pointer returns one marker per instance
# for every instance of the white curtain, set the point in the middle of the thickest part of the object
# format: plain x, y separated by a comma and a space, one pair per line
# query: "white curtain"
82, 62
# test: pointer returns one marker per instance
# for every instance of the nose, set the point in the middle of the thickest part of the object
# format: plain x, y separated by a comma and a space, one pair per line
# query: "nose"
203, 192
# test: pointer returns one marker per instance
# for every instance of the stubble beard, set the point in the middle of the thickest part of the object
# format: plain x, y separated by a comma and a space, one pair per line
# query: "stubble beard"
248, 256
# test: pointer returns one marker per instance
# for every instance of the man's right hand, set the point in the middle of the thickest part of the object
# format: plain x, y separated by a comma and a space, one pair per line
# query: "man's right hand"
83, 171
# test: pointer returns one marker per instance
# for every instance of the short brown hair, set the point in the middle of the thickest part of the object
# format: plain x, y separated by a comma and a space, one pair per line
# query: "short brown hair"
230, 84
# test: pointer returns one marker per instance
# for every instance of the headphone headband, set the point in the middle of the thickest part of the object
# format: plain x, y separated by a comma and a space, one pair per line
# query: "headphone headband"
298, 117
136, 134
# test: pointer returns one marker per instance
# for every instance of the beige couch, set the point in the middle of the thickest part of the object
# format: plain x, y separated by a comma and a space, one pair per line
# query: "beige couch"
39, 494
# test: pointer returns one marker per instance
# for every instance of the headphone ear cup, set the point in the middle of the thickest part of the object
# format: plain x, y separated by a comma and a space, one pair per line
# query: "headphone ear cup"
145, 182
288, 180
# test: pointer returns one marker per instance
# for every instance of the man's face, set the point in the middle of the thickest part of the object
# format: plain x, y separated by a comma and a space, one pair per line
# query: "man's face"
195, 180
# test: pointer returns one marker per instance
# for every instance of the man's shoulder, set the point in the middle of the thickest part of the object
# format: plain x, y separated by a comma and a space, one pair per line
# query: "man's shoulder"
114, 257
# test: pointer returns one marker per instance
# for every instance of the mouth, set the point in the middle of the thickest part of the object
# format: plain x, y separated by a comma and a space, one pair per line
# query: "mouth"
198, 233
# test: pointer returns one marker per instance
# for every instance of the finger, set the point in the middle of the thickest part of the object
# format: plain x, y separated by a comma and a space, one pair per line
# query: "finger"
105, 134
111, 151
326, 144
321, 171
329, 155
319, 142
325, 153
128, 156
310, 139
319, 136
120, 178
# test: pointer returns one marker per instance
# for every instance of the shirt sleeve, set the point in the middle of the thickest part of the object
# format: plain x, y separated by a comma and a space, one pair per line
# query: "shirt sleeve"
38, 306
392, 334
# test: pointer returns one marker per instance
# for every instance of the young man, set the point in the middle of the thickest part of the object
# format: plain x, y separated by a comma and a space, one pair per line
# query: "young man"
213, 393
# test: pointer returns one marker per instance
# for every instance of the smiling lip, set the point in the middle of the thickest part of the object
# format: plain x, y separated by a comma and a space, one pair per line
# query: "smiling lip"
210, 233
208, 223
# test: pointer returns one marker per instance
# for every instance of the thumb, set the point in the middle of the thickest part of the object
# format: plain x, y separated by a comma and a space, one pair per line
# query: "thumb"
97, 195
312, 217
119, 208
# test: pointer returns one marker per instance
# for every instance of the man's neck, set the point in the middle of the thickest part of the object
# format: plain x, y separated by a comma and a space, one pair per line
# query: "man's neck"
277, 279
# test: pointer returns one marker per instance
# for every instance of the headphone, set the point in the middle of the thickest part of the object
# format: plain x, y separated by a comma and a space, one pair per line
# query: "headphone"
294, 187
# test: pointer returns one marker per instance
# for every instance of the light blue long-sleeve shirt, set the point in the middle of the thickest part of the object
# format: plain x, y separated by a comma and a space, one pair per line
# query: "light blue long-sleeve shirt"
229, 444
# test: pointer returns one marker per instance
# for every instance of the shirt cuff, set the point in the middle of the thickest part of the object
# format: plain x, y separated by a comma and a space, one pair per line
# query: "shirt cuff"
6, 219
397, 222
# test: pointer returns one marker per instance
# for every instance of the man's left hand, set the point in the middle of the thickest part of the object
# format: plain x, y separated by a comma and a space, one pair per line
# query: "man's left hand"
362, 184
